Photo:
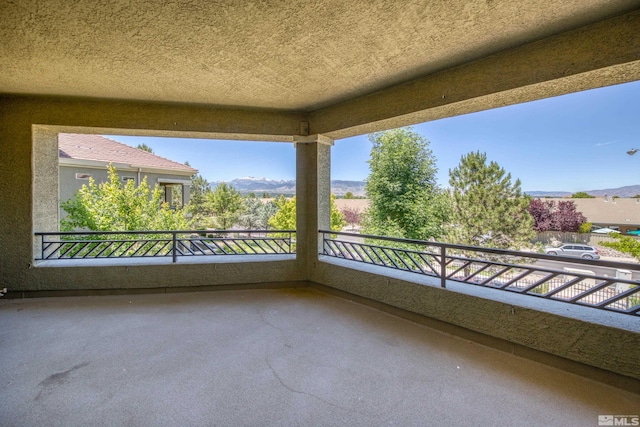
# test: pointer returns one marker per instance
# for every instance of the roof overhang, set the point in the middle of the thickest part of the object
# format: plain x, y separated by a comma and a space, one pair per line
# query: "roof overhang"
235, 70
95, 164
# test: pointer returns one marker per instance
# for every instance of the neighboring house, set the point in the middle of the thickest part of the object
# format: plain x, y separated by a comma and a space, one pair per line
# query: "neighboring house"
615, 213
85, 156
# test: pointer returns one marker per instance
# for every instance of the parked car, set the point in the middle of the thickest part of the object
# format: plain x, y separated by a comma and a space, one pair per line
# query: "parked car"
574, 250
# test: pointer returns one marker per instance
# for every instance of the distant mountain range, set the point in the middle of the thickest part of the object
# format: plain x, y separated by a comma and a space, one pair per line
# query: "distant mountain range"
340, 188
273, 186
627, 191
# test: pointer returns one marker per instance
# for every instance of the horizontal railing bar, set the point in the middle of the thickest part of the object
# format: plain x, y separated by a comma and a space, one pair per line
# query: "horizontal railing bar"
70, 233
610, 264
564, 286
84, 245
77, 242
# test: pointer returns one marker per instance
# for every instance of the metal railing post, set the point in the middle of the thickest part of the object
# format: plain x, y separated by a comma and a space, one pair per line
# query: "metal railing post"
175, 246
443, 267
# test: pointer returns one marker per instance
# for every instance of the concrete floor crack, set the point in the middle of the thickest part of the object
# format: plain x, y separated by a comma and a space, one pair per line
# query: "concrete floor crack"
291, 389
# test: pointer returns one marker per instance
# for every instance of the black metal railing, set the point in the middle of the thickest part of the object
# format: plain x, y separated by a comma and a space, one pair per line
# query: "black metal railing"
520, 272
174, 244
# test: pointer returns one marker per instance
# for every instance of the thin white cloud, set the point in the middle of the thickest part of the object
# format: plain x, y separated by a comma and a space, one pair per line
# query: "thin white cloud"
602, 144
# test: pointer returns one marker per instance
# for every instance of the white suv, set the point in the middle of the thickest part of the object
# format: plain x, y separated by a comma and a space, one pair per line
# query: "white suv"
574, 250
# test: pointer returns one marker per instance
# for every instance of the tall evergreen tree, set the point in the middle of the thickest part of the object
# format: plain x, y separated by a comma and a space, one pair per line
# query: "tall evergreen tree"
405, 200
144, 147
268, 210
198, 197
488, 209
250, 218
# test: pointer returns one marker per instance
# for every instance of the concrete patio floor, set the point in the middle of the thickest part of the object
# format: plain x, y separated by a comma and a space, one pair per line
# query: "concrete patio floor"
264, 357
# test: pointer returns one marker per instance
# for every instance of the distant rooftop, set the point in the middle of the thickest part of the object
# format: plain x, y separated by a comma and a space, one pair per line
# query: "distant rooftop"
607, 210
101, 149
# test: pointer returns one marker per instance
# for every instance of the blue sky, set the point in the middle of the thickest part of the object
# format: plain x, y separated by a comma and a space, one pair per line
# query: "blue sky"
571, 143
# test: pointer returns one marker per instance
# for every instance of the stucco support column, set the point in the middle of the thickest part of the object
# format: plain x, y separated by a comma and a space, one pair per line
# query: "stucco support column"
313, 195
45, 205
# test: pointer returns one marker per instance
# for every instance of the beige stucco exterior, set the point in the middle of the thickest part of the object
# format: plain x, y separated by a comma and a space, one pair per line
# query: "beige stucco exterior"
69, 183
326, 70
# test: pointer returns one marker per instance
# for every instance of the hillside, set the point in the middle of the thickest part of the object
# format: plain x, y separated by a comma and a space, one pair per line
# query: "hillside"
548, 193
340, 188
272, 186
627, 191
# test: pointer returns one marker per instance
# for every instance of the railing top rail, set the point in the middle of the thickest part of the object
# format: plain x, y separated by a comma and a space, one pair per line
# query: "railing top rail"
610, 264
90, 233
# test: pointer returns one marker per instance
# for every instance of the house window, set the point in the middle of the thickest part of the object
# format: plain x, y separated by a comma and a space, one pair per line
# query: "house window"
126, 179
83, 175
173, 195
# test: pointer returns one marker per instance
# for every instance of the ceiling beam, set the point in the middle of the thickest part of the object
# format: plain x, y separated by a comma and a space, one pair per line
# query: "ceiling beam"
593, 56
85, 115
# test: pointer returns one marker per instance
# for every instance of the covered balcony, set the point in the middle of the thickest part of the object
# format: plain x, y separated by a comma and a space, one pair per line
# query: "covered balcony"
305, 337
285, 356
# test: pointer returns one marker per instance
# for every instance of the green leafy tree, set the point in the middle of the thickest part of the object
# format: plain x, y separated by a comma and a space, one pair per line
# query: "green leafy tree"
145, 147
585, 227
348, 195
226, 204
488, 209
112, 206
582, 195
285, 217
405, 200
337, 221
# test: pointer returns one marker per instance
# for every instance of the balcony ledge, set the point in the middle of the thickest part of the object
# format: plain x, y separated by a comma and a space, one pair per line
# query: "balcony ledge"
517, 301
146, 261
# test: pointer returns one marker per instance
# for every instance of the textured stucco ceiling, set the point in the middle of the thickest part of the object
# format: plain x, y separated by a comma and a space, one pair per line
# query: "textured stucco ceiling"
288, 54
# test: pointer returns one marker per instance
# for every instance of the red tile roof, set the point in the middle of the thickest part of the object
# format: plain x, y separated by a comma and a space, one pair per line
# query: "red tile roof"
101, 149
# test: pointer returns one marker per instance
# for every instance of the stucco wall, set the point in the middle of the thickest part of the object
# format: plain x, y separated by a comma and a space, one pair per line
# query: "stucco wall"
69, 184
23, 117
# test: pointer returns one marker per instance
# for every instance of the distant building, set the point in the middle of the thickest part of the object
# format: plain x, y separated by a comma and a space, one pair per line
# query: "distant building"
616, 213
87, 156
